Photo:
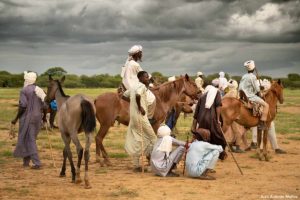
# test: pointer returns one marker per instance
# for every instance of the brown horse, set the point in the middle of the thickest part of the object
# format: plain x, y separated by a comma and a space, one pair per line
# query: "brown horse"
110, 108
234, 110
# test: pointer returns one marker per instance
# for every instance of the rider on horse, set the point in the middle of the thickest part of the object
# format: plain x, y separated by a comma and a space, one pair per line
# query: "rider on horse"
250, 86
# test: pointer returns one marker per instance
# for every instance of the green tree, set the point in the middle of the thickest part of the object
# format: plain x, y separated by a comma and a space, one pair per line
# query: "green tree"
55, 71
294, 77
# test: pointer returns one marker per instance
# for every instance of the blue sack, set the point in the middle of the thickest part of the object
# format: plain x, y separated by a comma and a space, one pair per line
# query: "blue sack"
53, 105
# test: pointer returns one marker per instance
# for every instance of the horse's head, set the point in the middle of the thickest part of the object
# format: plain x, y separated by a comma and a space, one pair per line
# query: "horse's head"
53, 86
277, 88
190, 87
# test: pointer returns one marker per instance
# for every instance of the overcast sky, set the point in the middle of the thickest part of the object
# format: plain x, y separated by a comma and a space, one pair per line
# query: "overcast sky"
93, 36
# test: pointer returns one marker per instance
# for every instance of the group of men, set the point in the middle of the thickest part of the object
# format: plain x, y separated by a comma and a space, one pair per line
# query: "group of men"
203, 152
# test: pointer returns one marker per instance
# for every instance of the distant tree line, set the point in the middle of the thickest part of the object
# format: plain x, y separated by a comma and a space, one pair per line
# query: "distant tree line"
108, 81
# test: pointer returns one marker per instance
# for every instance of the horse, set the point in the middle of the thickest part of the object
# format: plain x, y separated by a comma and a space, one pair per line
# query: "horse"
110, 107
233, 109
75, 114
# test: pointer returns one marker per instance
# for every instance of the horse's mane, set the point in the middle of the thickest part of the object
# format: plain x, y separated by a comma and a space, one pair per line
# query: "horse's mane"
60, 89
165, 90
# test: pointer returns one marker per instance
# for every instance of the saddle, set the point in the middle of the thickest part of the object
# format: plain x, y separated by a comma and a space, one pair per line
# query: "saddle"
255, 108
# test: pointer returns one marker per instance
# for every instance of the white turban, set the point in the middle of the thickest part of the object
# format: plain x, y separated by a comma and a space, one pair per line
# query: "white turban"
199, 73
166, 143
172, 78
232, 84
215, 82
250, 65
29, 77
135, 49
222, 74
265, 83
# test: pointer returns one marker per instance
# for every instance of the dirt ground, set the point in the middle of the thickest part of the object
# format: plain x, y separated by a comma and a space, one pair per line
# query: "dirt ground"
277, 179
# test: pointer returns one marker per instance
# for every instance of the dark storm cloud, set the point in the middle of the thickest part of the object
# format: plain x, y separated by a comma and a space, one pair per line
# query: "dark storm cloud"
182, 35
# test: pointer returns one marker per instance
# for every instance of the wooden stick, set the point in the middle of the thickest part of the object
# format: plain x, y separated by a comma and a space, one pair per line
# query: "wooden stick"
231, 152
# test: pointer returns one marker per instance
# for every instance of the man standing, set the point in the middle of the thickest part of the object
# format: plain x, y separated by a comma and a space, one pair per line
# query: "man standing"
129, 76
163, 159
139, 130
222, 83
207, 115
199, 81
30, 114
250, 86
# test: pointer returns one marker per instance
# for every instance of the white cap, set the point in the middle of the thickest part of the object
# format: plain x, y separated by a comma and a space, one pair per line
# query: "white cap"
250, 65
199, 73
135, 49
232, 84
215, 82
172, 78
163, 130
30, 76
222, 74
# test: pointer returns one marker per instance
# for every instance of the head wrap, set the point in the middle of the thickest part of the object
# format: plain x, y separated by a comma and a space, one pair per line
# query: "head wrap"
135, 49
211, 95
199, 73
172, 78
265, 83
166, 143
222, 74
250, 65
232, 84
215, 82
29, 77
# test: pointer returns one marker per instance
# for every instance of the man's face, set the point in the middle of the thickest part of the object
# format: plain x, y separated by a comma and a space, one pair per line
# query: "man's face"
145, 79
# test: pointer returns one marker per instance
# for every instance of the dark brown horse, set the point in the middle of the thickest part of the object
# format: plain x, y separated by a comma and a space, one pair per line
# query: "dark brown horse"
110, 108
234, 110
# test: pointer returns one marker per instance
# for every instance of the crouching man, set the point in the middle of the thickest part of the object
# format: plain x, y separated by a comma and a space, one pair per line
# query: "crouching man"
163, 159
202, 156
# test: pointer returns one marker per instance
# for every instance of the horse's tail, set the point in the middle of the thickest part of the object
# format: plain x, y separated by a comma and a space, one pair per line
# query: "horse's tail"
88, 122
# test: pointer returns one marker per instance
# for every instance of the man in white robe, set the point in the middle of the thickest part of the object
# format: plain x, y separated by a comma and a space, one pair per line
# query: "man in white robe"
163, 159
202, 156
250, 86
140, 132
199, 81
129, 75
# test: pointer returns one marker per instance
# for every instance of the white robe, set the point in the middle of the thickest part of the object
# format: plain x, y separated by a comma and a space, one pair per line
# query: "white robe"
139, 126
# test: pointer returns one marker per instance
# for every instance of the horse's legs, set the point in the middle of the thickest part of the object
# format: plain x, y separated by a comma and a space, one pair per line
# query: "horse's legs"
63, 168
68, 151
88, 139
259, 132
265, 140
99, 144
79, 150
66, 140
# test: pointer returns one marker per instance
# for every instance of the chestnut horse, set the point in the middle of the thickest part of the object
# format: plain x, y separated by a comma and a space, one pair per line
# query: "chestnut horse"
110, 108
234, 110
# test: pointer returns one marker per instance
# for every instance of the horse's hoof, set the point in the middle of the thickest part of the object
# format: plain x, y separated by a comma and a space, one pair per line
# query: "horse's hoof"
108, 163
78, 181
62, 175
73, 181
87, 187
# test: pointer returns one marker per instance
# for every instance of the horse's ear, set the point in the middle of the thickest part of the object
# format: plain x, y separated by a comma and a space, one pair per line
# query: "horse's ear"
186, 77
62, 79
279, 82
50, 77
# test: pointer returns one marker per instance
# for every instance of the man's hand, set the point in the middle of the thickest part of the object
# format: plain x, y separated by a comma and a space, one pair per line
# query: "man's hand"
141, 109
